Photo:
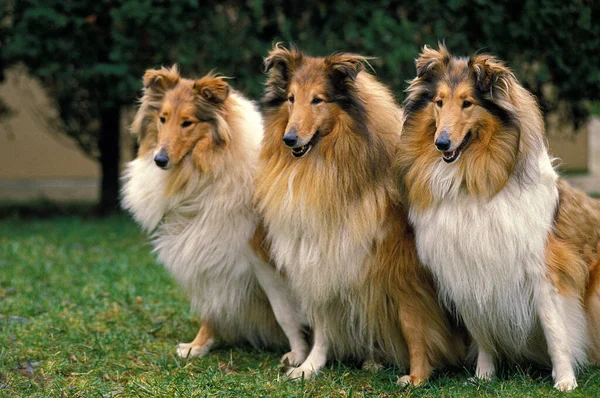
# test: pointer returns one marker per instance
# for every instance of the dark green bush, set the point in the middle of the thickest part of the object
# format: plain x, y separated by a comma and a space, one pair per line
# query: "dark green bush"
92, 54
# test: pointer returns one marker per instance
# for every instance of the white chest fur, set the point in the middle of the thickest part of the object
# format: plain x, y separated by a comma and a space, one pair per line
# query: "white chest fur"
487, 256
200, 234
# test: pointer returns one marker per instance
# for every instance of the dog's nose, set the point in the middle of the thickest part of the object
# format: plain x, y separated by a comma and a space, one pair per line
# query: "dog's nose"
443, 143
161, 159
290, 138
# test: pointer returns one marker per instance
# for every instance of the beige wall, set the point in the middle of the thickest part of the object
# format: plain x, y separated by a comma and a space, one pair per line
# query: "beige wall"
36, 162
571, 150
28, 147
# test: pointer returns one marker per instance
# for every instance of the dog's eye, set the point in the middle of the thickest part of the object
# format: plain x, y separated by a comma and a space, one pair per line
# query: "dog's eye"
162, 120
316, 101
291, 99
467, 104
185, 124
439, 103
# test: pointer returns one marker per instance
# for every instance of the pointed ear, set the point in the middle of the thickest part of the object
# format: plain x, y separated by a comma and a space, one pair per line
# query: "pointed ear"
211, 88
345, 65
281, 60
489, 72
429, 59
161, 80
280, 65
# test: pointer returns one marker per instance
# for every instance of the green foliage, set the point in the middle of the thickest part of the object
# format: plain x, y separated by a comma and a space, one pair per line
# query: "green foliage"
93, 53
88, 306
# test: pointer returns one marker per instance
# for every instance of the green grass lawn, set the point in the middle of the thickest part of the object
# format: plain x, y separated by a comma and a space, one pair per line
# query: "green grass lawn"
86, 311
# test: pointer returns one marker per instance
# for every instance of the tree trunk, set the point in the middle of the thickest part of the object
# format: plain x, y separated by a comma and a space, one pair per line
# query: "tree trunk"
109, 159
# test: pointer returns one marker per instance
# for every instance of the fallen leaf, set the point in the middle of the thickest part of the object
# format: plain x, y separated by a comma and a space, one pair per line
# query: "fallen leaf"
224, 367
113, 393
17, 319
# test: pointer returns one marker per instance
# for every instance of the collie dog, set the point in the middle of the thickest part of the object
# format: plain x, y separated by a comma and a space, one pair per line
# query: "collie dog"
191, 185
512, 247
327, 192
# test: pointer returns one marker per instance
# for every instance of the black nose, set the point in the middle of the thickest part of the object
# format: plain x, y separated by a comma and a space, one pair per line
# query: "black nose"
161, 159
443, 142
290, 138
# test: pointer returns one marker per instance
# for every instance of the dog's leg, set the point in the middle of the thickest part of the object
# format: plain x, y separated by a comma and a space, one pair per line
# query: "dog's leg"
316, 359
555, 330
286, 312
201, 345
414, 328
486, 367
592, 306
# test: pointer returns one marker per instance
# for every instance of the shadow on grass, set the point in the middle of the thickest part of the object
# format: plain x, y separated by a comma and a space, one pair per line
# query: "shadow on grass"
47, 209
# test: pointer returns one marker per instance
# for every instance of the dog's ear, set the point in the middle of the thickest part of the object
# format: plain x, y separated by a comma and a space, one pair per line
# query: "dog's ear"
280, 65
161, 80
345, 66
282, 61
429, 60
213, 89
156, 83
489, 72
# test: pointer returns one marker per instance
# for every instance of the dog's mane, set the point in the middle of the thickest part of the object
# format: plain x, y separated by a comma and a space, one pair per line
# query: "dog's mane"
348, 168
514, 147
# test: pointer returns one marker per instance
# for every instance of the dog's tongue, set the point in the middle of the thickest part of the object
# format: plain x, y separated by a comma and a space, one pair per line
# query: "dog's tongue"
449, 155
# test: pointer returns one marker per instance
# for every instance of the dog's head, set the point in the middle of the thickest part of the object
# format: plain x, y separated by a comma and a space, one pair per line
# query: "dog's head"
462, 102
186, 115
311, 92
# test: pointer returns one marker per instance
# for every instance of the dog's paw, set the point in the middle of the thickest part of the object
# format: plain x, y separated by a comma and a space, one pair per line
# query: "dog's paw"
371, 365
408, 380
566, 384
187, 350
297, 373
292, 359
484, 376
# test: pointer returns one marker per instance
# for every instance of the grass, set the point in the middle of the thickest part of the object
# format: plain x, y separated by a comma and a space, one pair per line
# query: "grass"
87, 312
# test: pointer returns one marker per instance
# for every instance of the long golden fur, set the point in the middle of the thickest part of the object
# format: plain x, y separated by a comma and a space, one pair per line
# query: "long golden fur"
328, 198
512, 247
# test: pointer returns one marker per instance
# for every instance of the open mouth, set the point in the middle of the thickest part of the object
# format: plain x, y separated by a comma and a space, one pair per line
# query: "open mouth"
304, 149
450, 157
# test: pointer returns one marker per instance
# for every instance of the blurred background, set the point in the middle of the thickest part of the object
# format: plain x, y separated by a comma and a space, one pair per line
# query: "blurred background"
71, 71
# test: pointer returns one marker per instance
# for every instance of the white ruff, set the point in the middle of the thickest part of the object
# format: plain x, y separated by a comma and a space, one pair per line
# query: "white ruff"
488, 260
201, 234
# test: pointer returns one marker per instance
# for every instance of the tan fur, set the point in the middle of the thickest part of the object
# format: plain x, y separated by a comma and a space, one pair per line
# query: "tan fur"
345, 188
577, 229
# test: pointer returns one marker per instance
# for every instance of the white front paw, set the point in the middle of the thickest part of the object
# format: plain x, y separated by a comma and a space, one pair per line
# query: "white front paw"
566, 384
293, 359
485, 373
187, 350
408, 380
297, 373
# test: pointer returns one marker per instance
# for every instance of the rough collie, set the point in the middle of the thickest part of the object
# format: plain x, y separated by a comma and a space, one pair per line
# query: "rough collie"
325, 187
513, 248
191, 185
